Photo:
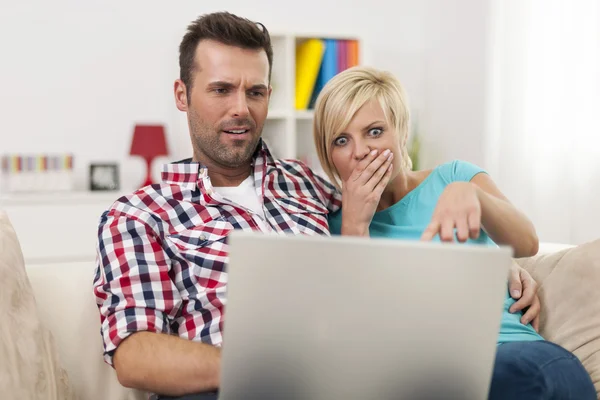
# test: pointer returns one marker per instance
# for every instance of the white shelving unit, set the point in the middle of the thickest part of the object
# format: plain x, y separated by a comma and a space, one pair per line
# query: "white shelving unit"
288, 131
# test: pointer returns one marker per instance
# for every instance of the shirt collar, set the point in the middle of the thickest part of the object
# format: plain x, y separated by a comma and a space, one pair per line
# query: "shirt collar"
189, 173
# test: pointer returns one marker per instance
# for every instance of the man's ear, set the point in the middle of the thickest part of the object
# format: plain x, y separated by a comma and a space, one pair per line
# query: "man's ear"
181, 99
269, 94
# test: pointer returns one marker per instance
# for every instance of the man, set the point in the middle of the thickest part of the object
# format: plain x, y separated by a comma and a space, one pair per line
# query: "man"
162, 250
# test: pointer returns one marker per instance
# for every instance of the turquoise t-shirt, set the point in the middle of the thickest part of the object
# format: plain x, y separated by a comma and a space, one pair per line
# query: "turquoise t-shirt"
408, 218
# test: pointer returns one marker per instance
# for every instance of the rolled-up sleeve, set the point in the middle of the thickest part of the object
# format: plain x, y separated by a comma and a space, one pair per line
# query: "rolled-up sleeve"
132, 285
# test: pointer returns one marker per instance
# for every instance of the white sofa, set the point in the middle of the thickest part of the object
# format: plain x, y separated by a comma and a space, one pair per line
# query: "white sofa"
66, 306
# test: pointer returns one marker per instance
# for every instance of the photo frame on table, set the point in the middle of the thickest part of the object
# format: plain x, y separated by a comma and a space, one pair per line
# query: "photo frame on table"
104, 177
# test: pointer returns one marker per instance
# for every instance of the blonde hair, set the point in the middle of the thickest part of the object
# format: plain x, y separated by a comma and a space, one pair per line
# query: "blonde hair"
343, 96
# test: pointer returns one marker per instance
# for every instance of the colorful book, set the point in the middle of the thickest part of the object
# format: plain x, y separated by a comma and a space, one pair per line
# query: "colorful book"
338, 56
352, 53
342, 55
36, 173
328, 68
309, 57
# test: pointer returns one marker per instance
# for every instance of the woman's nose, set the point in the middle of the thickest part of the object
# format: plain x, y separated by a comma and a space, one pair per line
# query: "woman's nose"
361, 151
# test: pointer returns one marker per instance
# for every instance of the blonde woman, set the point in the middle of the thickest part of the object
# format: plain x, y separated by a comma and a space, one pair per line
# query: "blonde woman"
360, 131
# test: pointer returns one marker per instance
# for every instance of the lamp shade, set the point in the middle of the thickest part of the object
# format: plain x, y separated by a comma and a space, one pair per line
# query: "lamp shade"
148, 142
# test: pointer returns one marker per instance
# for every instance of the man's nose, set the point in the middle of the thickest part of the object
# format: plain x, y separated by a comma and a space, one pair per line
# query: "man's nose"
240, 105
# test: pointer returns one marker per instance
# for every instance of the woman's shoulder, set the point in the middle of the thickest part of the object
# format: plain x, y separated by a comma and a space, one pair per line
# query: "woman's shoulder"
457, 170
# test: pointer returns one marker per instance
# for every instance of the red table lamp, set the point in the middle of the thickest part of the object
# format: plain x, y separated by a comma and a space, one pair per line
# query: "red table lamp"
148, 142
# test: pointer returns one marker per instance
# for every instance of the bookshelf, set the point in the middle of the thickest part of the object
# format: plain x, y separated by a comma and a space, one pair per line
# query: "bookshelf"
288, 130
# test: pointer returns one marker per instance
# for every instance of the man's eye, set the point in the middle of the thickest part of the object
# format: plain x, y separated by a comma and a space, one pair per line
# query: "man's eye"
220, 90
256, 94
340, 141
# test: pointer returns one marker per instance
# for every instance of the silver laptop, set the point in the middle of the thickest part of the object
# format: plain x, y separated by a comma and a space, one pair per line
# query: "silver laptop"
351, 318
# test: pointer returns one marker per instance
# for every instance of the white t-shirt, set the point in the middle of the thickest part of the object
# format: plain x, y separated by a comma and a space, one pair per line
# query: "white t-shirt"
245, 195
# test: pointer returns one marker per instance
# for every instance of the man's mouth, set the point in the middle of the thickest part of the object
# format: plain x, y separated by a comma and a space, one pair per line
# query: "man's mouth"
236, 131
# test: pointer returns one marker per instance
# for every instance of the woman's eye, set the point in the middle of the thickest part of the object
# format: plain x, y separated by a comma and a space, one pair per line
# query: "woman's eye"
340, 141
375, 131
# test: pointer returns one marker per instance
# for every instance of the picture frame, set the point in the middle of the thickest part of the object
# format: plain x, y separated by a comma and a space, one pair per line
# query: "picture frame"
104, 177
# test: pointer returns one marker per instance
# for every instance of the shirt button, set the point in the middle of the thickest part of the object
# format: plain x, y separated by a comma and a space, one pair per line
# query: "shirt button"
202, 237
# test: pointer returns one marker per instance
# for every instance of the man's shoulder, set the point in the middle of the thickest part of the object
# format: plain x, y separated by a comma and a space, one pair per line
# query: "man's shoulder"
144, 197
148, 204
298, 169
295, 167
297, 179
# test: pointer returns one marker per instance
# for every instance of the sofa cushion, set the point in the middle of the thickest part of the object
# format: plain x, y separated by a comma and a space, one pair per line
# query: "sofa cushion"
570, 296
30, 367
68, 308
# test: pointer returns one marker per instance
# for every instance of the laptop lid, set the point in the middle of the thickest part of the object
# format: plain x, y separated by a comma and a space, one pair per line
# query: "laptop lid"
354, 318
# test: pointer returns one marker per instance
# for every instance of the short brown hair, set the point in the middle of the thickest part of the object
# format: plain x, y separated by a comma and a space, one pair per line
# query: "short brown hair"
225, 28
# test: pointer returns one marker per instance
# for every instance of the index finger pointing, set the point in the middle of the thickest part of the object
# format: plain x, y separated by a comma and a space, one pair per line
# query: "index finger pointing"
431, 231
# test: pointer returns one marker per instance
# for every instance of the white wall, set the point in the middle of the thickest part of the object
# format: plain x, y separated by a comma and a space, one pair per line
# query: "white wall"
456, 80
77, 75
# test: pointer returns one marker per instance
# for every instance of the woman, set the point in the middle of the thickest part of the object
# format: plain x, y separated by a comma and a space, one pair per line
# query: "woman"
360, 131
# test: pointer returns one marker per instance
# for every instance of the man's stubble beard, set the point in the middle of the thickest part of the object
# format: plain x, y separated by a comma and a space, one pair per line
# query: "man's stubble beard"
207, 143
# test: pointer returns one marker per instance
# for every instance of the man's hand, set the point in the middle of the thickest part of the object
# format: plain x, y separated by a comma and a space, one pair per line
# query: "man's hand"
523, 288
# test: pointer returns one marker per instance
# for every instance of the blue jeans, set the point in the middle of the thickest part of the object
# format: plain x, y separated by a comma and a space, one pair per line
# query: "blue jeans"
539, 370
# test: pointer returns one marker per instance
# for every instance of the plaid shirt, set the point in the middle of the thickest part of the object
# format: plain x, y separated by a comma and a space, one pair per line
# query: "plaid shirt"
162, 251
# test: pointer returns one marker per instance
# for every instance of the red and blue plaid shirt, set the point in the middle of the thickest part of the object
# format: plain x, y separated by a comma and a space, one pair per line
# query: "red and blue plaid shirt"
162, 251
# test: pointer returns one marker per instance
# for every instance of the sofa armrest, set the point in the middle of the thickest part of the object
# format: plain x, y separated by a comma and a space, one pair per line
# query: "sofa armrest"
550, 247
